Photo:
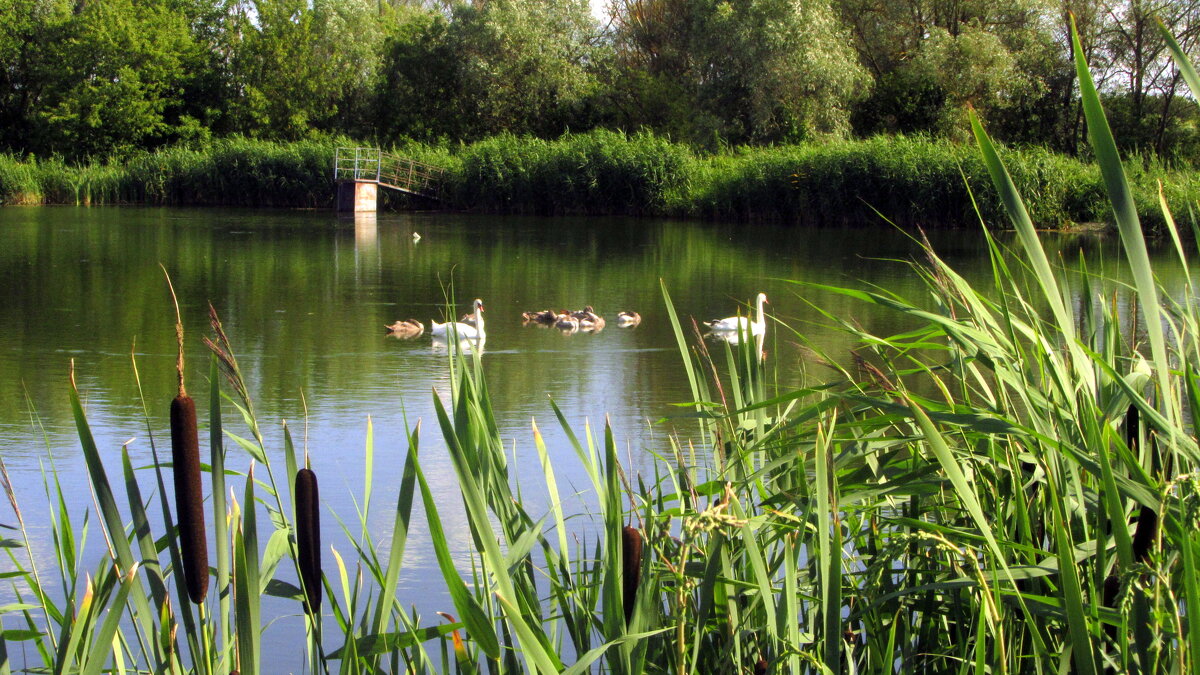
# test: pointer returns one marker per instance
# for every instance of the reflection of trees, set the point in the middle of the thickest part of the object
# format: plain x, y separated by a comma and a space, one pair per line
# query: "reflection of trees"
305, 307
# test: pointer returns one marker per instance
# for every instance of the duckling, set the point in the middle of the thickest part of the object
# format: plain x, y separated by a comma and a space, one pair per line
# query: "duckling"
628, 319
468, 318
545, 317
406, 329
567, 322
589, 320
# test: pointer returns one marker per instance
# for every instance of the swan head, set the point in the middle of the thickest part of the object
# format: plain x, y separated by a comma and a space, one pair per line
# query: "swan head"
478, 305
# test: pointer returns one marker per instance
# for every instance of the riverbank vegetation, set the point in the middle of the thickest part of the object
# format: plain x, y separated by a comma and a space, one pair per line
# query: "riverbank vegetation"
913, 181
762, 109
1010, 482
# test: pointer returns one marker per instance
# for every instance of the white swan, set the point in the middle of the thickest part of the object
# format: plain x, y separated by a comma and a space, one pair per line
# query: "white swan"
463, 331
741, 323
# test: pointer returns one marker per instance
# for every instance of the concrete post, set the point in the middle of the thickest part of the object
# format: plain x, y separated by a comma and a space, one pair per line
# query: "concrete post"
357, 196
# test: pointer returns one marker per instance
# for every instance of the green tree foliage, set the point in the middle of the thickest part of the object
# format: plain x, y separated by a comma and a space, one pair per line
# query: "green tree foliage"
300, 66
521, 66
1140, 79
97, 78
23, 26
754, 71
113, 77
419, 93
999, 56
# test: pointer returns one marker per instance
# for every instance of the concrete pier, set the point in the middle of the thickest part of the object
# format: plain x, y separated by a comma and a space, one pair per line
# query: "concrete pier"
356, 196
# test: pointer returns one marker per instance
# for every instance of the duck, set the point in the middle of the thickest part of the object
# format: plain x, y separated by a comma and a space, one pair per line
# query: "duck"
567, 322
628, 319
407, 328
546, 316
741, 323
590, 320
463, 331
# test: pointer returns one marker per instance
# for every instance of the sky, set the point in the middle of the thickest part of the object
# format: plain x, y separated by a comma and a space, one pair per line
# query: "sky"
599, 9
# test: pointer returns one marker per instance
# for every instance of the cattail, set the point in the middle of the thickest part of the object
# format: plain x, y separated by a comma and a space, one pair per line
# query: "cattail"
761, 667
308, 537
1147, 522
189, 496
631, 566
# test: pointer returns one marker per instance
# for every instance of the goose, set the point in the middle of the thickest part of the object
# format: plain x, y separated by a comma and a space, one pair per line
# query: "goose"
741, 323
462, 330
408, 328
628, 319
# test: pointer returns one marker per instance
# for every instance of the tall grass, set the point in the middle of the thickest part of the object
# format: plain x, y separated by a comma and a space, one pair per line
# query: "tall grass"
1009, 485
914, 182
229, 172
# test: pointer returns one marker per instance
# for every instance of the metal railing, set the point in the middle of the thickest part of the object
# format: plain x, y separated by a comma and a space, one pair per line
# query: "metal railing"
357, 164
392, 171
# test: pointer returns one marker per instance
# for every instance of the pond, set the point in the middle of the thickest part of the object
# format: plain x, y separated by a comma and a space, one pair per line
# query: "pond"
305, 296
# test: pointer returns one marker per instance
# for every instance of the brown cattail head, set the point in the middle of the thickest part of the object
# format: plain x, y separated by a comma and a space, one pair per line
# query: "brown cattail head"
761, 667
308, 537
1145, 534
631, 567
189, 498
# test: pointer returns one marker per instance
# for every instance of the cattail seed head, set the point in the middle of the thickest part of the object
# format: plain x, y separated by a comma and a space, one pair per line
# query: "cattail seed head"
189, 497
631, 567
308, 537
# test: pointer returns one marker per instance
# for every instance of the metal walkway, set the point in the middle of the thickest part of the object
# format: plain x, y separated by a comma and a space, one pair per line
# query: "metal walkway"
371, 165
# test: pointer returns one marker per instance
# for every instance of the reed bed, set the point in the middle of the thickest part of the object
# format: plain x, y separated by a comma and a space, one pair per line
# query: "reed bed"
914, 182
1008, 485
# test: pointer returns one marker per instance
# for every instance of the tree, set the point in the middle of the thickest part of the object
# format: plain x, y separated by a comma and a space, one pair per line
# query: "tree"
752, 71
1000, 56
297, 67
113, 79
1139, 69
521, 66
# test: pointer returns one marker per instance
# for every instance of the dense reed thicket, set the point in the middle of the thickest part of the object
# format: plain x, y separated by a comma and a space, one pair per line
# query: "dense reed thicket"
233, 172
913, 181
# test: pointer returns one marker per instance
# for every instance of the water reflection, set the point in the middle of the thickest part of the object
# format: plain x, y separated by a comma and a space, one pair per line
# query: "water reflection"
441, 344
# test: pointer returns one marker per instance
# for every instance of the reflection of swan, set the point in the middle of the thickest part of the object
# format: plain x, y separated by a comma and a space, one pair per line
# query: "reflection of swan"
628, 319
408, 328
461, 330
465, 345
741, 323
734, 338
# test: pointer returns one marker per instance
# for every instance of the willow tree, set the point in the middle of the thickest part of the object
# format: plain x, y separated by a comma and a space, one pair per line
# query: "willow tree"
718, 71
931, 58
